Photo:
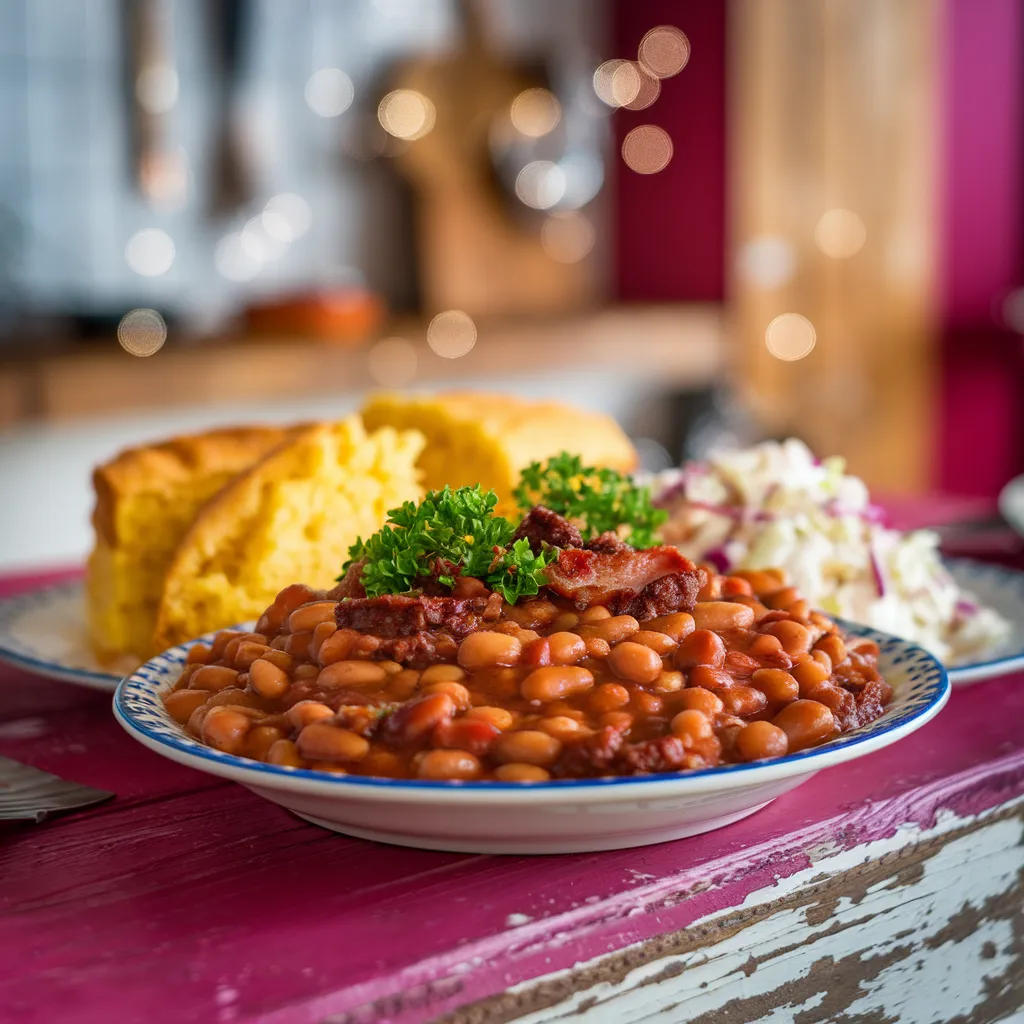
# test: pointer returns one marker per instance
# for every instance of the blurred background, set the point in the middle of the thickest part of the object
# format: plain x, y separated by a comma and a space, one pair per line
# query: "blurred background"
720, 221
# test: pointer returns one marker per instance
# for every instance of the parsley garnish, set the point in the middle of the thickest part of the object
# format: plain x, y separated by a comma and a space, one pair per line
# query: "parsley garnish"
595, 499
447, 535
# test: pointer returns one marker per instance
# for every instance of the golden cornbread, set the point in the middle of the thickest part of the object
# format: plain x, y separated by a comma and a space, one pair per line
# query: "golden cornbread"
488, 439
146, 499
290, 518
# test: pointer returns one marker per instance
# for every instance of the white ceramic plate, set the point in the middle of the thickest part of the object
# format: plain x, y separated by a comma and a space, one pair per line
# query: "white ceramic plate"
564, 816
1002, 589
43, 632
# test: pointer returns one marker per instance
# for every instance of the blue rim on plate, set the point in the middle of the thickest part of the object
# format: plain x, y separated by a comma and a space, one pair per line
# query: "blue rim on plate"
15, 651
139, 709
1000, 588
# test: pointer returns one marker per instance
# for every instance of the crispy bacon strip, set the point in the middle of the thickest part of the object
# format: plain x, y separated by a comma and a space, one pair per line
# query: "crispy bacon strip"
542, 526
645, 583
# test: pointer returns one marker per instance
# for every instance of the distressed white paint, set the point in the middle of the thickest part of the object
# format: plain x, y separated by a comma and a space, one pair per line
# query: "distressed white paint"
927, 987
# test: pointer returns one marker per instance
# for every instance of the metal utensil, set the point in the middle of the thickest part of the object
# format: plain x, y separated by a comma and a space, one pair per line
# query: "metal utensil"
28, 794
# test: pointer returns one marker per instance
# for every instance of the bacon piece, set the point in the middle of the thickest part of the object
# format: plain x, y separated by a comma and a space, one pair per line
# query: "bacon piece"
542, 526
403, 615
607, 543
415, 630
590, 756
665, 754
674, 593
420, 649
871, 700
349, 585
646, 583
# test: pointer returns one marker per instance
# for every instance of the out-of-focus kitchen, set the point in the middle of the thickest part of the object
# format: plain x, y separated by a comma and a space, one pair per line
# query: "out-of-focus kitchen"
718, 222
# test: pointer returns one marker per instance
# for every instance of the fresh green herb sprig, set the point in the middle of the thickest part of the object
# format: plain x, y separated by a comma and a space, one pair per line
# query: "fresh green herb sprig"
595, 499
450, 533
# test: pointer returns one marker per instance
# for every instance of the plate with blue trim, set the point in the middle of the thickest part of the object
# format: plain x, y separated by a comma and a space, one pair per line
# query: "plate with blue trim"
1002, 589
557, 816
44, 632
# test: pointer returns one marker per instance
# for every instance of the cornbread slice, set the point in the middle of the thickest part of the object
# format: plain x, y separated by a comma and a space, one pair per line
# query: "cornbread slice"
289, 519
146, 499
488, 439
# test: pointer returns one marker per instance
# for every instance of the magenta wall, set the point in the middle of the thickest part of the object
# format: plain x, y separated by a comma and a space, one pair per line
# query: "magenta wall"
981, 436
670, 226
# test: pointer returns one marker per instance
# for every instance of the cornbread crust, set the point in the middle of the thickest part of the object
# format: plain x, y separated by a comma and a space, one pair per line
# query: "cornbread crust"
146, 498
290, 518
489, 439
152, 467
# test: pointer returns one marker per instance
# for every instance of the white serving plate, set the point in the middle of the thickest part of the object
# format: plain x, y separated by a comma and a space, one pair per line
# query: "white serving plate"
1002, 589
563, 816
43, 631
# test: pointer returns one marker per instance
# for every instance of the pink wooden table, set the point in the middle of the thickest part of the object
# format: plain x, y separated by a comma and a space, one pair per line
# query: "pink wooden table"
889, 890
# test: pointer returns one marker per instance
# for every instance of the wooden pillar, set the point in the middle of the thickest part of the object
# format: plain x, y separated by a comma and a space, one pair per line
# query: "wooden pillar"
833, 107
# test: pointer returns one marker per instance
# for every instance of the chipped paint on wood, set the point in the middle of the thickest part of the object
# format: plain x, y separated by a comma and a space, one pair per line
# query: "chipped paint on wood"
927, 925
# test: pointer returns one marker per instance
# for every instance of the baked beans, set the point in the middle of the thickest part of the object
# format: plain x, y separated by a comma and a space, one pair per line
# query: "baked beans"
547, 690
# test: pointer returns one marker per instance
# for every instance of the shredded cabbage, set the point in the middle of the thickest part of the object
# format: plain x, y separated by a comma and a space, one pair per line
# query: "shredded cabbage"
775, 504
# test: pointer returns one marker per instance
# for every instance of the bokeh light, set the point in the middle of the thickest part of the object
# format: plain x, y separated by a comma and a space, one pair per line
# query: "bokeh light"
647, 149
406, 114
567, 237
617, 82
540, 184
259, 243
644, 88
664, 51
156, 88
286, 217
625, 83
392, 362
150, 252
451, 334
329, 92
790, 337
584, 176
840, 233
535, 112
768, 261
142, 332
235, 260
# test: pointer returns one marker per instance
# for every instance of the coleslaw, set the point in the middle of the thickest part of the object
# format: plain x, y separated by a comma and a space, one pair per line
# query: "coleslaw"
776, 505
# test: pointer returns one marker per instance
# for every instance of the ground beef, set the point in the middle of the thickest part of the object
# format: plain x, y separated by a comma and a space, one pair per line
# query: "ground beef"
541, 526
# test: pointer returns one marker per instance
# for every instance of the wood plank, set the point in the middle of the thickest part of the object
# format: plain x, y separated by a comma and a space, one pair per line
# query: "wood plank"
834, 106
